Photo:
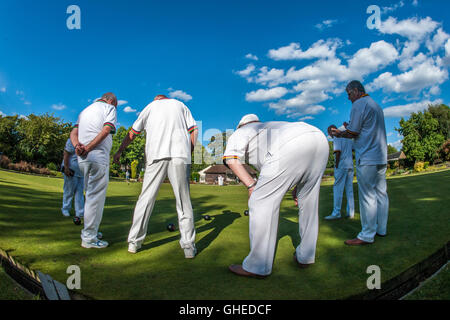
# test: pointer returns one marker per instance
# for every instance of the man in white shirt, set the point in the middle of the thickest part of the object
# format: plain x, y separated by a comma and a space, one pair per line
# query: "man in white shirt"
171, 133
93, 141
287, 155
368, 130
343, 176
73, 182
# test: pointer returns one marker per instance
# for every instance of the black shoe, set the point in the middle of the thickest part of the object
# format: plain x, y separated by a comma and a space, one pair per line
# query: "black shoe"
382, 236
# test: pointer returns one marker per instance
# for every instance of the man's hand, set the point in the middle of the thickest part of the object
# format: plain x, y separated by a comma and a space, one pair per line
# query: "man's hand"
250, 191
294, 196
67, 172
80, 150
116, 158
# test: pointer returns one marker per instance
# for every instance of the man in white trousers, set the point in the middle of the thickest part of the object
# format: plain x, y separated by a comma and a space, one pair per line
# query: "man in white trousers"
73, 182
171, 133
368, 130
92, 138
288, 155
343, 176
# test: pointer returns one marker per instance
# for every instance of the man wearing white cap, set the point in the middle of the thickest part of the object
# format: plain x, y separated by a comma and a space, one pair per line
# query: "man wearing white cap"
343, 176
93, 141
171, 133
288, 155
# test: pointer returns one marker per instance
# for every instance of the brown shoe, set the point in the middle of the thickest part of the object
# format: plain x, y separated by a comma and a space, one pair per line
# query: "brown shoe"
237, 269
301, 265
356, 242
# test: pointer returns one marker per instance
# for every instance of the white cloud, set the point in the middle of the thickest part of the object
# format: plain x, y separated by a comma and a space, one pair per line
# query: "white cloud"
415, 3
392, 8
266, 94
2, 114
20, 93
129, 109
405, 110
438, 41
411, 28
397, 144
446, 59
423, 76
59, 106
251, 56
247, 71
121, 102
325, 24
320, 49
407, 63
27, 103
306, 118
377, 56
3, 89
21, 116
179, 94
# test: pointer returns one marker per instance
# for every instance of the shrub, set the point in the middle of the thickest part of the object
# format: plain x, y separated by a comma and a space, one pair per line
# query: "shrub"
4, 162
52, 166
195, 176
419, 166
426, 164
134, 165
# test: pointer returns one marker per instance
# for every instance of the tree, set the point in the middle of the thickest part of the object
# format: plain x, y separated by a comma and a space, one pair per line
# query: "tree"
330, 163
441, 112
422, 137
9, 137
135, 151
391, 149
42, 139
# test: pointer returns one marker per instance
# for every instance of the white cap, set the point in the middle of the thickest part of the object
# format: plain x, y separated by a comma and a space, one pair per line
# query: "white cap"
247, 118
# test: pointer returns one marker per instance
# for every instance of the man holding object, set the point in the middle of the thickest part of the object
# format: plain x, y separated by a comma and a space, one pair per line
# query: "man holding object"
368, 130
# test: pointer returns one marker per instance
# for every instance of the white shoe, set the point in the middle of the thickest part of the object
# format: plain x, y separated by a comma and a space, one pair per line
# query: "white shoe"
98, 244
331, 217
133, 248
65, 214
190, 253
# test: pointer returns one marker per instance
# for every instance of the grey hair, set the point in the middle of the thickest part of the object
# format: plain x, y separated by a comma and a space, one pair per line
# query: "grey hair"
355, 84
109, 96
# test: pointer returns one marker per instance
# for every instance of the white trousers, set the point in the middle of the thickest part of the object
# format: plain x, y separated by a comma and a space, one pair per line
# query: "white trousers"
301, 163
155, 173
343, 179
73, 190
373, 200
96, 178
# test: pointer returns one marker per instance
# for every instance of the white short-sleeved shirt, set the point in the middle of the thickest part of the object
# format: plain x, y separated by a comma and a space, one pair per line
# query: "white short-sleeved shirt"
73, 160
168, 124
258, 140
345, 146
367, 119
90, 123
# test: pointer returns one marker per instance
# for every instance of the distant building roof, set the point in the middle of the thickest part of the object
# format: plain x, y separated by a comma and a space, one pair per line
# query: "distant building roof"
396, 156
220, 168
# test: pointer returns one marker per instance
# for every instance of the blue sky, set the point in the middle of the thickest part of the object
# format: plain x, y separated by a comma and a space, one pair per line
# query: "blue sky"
283, 60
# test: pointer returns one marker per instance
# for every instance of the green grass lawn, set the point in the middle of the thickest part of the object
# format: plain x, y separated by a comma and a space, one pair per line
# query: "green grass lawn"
436, 288
33, 230
10, 290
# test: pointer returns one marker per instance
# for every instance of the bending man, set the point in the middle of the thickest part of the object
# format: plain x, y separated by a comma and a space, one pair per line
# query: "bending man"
287, 155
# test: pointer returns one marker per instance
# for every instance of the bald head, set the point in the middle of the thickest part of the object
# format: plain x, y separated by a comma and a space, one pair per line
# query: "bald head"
160, 97
110, 98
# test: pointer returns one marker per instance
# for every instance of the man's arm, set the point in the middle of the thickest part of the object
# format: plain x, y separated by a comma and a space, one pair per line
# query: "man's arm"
80, 149
240, 171
66, 164
194, 136
338, 158
344, 134
125, 143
